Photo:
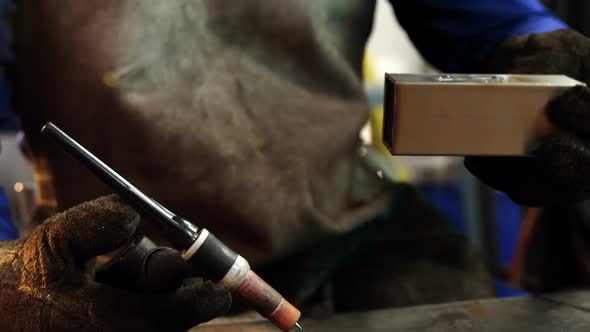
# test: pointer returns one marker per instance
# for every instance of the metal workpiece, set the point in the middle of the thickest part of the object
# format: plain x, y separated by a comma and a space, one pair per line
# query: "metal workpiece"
468, 114
575, 299
494, 315
468, 78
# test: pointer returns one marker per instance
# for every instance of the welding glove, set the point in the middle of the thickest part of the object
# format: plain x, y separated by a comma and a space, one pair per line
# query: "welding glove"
559, 173
47, 281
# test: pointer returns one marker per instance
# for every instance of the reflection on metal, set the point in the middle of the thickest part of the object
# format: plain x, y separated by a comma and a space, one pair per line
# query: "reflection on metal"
472, 78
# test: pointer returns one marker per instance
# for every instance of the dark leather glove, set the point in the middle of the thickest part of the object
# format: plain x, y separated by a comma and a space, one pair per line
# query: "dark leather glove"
47, 281
559, 173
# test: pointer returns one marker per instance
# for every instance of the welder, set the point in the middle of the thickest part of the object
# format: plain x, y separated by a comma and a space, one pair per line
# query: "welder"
244, 116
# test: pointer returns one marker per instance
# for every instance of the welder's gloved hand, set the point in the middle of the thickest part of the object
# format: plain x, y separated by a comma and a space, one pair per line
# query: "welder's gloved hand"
47, 282
559, 173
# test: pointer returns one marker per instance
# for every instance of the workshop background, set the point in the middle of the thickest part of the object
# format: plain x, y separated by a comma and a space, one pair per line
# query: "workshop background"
488, 218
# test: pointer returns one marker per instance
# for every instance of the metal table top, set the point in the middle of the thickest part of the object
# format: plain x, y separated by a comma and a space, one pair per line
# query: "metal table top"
547, 313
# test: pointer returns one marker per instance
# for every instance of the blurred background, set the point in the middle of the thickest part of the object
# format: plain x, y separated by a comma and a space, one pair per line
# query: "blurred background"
488, 218
493, 223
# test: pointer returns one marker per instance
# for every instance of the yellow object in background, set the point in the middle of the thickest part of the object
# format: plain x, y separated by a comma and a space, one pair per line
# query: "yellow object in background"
369, 75
376, 105
375, 108
110, 79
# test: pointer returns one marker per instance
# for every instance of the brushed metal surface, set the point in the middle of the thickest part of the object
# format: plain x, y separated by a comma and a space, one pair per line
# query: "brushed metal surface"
426, 116
497, 315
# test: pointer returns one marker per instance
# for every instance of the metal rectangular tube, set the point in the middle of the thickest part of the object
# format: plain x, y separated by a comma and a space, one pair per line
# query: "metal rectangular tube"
464, 115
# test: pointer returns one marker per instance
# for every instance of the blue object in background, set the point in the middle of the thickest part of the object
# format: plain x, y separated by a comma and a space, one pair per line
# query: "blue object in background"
458, 35
8, 120
508, 221
7, 229
448, 197
505, 290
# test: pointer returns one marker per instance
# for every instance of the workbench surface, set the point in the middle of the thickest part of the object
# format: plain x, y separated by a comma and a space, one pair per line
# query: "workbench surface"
567, 312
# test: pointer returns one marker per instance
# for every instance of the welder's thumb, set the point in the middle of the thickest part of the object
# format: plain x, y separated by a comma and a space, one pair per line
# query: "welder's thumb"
89, 229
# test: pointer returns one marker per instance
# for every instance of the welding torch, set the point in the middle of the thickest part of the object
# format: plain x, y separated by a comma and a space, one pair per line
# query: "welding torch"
198, 246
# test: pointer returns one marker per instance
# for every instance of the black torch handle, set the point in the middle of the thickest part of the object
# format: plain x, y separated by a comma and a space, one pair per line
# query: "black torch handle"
178, 231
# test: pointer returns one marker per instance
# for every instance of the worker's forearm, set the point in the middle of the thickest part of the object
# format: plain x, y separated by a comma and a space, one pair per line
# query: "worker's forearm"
457, 36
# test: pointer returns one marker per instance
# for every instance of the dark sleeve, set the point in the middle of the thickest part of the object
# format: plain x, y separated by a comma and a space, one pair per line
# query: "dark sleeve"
8, 119
458, 35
